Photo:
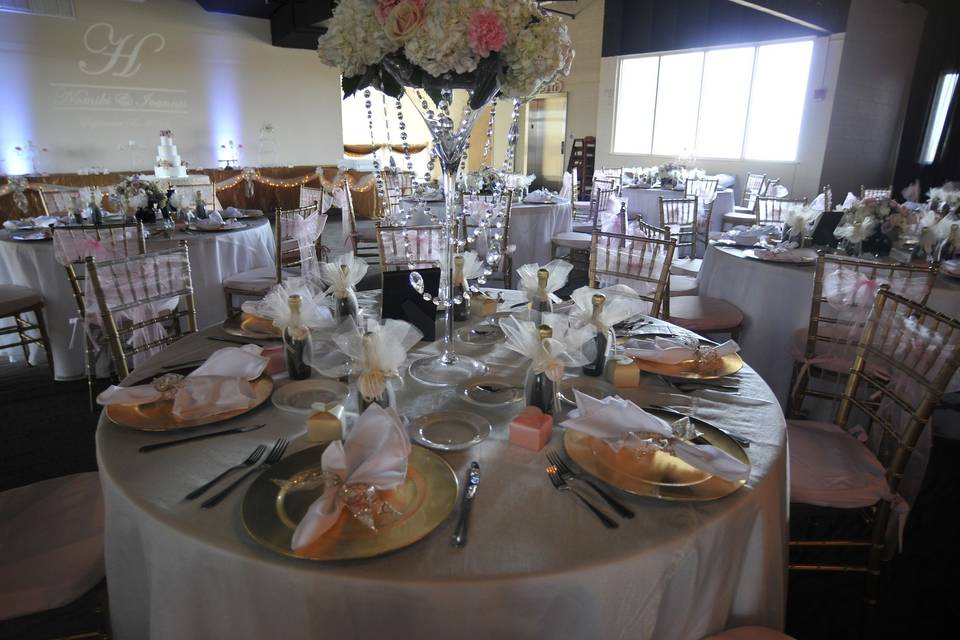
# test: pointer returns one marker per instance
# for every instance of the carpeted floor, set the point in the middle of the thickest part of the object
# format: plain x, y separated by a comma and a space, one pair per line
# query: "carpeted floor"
48, 431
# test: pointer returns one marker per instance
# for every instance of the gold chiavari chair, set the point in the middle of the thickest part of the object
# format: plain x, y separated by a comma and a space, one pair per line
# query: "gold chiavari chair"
505, 203
72, 246
599, 201
843, 290
613, 175
207, 192
755, 185
602, 188
919, 351
362, 241
678, 284
143, 300
827, 198
311, 195
408, 247
642, 263
59, 201
401, 181
771, 210
288, 259
876, 192
680, 216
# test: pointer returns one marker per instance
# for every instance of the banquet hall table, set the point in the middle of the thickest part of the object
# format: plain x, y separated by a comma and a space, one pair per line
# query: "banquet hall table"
775, 300
213, 256
537, 565
532, 226
646, 203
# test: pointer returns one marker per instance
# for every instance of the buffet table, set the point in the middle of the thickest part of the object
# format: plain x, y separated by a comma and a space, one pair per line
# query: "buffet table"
537, 565
775, 300
213, 256
646, 203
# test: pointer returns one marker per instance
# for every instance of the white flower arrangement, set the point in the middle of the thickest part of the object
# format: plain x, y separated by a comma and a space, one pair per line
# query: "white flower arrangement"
947, 195
506, 46
866, 217
799, 220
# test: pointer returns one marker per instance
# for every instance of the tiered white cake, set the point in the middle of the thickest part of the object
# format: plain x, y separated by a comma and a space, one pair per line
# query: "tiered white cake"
168, 160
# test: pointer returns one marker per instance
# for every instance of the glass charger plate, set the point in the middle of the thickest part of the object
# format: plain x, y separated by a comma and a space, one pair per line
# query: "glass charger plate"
808, 256
729, 364
158, 416
658, 474
483, 333
449, 430
272, 508
491, 391
246, 325
298, 396
596, 387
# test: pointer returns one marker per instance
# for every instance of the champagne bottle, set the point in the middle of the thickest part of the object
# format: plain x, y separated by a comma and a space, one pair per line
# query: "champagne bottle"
345, 301
75, 209
600, 340
461, 310
96, 216
199, 209
296, 340
541, 302
382, 392
539, 390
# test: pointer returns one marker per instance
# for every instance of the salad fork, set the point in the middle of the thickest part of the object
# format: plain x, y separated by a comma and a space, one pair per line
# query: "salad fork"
566, 473
275, 454
251, 460
561, 485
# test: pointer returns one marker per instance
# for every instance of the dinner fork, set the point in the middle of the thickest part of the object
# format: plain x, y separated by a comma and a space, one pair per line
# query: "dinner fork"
274, 456
561, 485
567, 473
251, 460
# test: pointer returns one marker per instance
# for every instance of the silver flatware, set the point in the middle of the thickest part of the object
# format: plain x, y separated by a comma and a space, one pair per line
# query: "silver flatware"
561, 485
519, 304
743, 442
250, 460
567, 473
274, 456
172, 443
469, 493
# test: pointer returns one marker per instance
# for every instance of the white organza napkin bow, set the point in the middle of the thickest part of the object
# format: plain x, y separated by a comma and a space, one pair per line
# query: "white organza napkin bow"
620, 423
389, 343
344, 274
784, 252
621, 303
215, 221
549, 355
276, 306
374, 455
674, 350
231, 212
540, 196
558, 270
221, 384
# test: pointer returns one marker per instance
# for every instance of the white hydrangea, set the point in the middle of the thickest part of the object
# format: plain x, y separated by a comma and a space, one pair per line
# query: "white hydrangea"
441, 44
537, 57
354, 39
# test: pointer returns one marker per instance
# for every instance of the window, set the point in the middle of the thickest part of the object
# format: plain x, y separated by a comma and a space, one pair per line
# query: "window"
946, 87
735, 102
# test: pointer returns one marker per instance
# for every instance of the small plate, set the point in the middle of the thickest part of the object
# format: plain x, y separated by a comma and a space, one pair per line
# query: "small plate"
801, 256
449, 430
596, 387
300, 395
194, 227
39, 236
247, 325
482, 333
504, 393
729, 364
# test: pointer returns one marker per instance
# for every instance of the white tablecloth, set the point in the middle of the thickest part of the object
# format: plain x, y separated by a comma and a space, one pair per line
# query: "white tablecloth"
646, 203
531, 228
775, 300
537, 565
213, 256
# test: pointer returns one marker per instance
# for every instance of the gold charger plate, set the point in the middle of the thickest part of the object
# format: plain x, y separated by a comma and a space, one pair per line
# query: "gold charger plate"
157, 416
729, 364
270, 513
247, 325
658, 474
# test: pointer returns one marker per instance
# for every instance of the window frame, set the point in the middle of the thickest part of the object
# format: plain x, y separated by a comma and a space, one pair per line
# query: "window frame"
952, 106
705, 50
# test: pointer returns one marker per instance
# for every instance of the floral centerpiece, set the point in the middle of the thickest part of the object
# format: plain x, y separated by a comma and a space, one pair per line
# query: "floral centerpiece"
490, 48
873, 224
670, 174
946, 196
134, 193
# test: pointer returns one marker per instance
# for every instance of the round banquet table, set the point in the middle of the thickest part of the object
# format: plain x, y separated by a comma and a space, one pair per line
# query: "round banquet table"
537, 565
775, 300
213, 256
532, 227
646, 203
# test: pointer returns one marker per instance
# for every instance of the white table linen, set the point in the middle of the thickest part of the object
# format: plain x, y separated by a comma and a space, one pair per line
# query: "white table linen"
646, 203
537, 565
213, 256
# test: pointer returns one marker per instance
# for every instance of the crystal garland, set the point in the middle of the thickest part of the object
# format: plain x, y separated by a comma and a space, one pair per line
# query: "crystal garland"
368, 104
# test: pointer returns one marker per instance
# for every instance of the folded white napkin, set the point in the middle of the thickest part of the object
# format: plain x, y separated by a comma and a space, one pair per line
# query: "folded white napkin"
231, 212
373, 455
221, 384
540, 196
783, 253
849, 201
818, 203
620, 423
213, 221
673, 350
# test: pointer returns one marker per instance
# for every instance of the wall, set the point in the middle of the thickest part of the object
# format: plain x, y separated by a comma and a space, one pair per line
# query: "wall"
883, 38
801, 177
159, 64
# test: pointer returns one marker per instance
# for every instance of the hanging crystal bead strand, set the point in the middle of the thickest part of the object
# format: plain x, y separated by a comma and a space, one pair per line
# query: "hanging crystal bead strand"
377, 174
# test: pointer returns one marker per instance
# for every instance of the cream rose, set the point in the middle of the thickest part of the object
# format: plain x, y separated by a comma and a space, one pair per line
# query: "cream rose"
403, 21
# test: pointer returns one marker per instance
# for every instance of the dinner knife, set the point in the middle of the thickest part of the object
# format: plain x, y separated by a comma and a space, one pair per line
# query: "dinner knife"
163, 445
473, 481
743, 442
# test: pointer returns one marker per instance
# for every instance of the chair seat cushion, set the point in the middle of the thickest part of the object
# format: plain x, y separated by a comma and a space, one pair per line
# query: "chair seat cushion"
14, 298
683, 286
749, 633
583, 228
700, 313
740, 213
51, 543
256, 280
573, 240
686, 266
831, 468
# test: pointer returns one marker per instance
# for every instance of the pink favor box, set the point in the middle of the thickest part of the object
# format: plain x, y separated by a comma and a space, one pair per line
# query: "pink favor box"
531, 429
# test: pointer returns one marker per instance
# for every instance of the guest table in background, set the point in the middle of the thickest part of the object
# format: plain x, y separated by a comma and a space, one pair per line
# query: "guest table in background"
646, 203
213, 256
537, 564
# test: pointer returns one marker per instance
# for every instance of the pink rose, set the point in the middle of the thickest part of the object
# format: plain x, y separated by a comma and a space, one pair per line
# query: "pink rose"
404, 20
486, 32
385, 7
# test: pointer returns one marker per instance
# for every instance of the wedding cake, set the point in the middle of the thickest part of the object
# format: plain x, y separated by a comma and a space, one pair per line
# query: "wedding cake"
168, 160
